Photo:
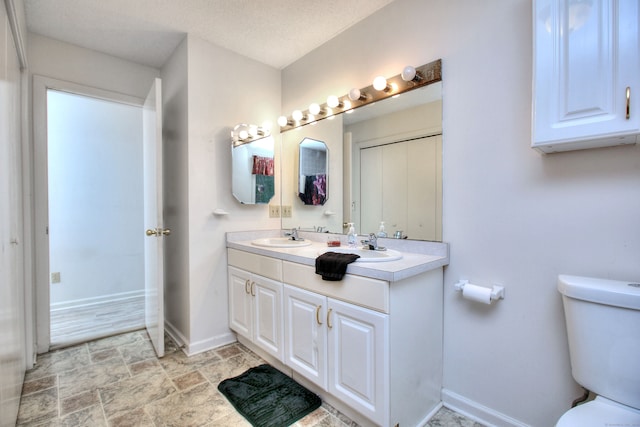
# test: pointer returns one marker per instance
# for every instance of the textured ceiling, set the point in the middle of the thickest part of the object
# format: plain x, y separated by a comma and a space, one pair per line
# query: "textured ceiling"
275, 32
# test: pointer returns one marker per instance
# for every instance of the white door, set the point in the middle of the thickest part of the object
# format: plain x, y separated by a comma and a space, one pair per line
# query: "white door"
153, 219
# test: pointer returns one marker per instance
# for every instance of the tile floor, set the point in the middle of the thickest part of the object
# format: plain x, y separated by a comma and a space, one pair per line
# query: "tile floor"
118, 381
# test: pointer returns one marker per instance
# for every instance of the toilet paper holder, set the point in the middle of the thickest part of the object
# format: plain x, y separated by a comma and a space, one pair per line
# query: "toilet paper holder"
497, 291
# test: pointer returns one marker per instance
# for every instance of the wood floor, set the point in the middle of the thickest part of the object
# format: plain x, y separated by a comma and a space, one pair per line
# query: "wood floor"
87, 323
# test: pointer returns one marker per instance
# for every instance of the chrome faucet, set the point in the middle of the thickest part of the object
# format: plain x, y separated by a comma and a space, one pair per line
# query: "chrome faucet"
372, 243
293, 235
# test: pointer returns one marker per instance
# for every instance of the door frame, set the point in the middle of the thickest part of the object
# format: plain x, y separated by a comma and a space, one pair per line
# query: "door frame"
41, 190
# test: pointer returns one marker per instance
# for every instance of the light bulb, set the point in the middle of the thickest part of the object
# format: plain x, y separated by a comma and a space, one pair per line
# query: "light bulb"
243, 134
380, 83
408, 73
333, 101
253, 130
347, 105
356, 95
314, 109
297, 115
283, 121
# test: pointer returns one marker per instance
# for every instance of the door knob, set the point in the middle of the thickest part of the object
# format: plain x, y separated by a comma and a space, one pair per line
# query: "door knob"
158, 232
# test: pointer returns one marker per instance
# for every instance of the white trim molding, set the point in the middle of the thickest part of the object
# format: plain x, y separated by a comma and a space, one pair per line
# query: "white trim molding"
477, 412
18, 28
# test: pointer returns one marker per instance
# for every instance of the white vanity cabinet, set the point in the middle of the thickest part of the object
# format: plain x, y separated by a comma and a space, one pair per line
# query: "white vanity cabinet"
586, 77
370, 347
255, 301
374, 345
340, 347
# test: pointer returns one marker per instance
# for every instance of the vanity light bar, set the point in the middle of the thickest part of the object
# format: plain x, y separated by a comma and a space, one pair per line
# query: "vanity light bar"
396, 85
244, 133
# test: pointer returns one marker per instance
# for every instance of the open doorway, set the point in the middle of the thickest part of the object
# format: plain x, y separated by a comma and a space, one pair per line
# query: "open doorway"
94, 186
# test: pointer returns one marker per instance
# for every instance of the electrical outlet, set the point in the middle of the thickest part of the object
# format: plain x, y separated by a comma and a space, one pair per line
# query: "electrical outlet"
55, 277
286, 212
274, 211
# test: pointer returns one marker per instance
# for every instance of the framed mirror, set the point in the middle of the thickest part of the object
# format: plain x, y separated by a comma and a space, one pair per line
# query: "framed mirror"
313, 159
253, 171
386, 165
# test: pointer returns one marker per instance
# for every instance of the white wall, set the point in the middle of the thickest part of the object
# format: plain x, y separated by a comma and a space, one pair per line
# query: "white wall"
511, 215
224, 89
95, 199
12, 272
198, 75
176, 192
53, 58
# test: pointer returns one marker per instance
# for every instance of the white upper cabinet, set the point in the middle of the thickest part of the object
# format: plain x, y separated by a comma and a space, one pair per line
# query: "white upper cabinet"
586, 74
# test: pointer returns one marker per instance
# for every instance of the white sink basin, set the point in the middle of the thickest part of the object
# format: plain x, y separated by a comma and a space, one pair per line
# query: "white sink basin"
280, 242
367, 255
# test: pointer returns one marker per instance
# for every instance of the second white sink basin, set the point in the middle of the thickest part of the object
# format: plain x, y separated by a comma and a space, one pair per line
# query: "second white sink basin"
368, 255
280, 242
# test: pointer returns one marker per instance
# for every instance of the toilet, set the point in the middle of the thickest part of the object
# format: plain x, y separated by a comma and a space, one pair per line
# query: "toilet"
603, 328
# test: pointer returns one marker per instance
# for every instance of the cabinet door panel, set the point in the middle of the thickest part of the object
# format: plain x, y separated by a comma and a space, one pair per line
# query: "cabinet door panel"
268, 316
585, 57
240, 302
358, 358
305, 334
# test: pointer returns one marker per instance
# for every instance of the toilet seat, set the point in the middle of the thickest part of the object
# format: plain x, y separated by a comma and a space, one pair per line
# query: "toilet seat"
600, 412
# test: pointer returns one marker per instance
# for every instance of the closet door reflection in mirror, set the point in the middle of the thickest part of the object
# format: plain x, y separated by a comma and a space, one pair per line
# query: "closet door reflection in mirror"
253, 171
312, 176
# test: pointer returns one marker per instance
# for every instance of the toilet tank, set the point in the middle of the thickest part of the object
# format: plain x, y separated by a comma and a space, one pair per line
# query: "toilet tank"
603, 328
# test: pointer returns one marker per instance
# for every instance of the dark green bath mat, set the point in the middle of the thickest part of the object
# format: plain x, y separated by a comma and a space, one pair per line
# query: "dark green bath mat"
268, 398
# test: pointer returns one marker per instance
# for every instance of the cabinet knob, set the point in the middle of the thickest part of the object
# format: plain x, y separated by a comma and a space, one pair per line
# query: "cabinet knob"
246, 286
318, 315
253, 289
329, 325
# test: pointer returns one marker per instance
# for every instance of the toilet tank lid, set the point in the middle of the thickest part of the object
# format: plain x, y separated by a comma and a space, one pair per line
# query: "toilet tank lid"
610, 292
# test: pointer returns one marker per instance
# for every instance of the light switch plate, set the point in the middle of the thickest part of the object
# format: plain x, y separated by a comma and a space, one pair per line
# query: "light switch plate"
274, 211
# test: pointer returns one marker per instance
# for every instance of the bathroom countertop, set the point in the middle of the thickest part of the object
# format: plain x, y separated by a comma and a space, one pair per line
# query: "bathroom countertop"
417, 256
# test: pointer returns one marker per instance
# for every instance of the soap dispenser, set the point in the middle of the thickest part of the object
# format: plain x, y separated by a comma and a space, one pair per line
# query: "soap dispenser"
351, 236
381, 232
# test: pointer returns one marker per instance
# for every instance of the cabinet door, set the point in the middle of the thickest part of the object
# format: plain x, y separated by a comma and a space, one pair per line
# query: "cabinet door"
240, 311
585, 58
359, 358
268, 327
305, 334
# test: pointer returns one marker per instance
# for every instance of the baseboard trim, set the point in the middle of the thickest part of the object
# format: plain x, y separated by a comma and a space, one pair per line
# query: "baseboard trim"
101, 300
175, 334
191, 349
210, 343
430, 415
477, 411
